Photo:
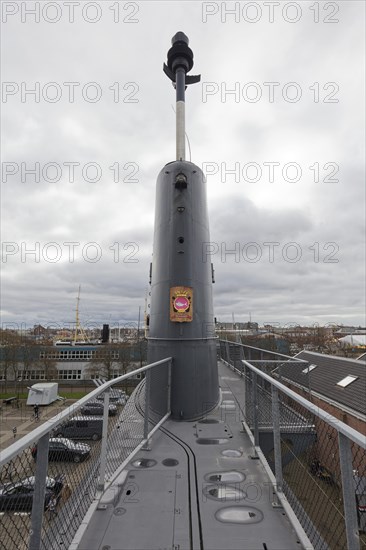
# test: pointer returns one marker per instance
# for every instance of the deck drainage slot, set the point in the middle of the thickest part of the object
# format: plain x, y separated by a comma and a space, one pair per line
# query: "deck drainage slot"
239, 514
209, 421
144, 463
225, 477
231, 453
170, 462
212, 441
224, 492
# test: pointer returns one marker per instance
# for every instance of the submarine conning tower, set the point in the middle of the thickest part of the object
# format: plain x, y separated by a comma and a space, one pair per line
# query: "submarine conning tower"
181, 322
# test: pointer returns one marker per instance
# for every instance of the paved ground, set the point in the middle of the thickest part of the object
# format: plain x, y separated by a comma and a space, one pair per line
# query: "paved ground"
80, 479
22, 419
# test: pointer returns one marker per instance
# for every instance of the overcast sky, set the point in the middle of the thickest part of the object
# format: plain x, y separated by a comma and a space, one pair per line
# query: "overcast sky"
283, 153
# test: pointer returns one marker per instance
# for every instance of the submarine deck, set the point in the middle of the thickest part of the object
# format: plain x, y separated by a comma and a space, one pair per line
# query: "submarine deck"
199, 487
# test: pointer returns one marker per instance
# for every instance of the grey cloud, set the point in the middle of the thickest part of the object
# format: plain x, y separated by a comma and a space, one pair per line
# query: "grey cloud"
143, 133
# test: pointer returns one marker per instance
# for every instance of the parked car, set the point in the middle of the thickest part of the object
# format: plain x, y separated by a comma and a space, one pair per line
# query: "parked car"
81, 427
18, 496
117, 397
97, 408
62, 449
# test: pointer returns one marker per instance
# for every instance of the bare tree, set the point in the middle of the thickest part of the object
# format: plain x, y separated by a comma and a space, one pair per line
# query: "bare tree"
48, 365
124, 360
103, 362
9, 355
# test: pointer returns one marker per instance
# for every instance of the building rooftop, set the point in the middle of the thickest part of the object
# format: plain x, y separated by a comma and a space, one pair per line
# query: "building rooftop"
324, 375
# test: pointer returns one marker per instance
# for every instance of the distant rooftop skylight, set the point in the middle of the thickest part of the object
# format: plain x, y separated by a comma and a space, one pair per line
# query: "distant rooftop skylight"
309, 368
347, 381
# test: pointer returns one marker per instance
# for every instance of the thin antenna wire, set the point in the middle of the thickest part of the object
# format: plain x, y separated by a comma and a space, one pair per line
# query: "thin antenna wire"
189, 145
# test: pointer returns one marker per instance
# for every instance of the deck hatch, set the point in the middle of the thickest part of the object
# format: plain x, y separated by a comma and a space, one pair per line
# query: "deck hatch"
144, 463
234, 453
225, 477
170, 462
239, 514
224, 492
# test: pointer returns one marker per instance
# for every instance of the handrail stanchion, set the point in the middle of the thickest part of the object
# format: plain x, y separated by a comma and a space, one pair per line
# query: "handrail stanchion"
348, 489
169, 385
103, 452
277, 441
227, 352
244, 373
39, 492
241, 357
255, 414
146, 412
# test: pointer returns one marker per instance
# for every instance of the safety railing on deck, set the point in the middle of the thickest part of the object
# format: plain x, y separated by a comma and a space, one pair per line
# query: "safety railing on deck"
50, 477
317, 462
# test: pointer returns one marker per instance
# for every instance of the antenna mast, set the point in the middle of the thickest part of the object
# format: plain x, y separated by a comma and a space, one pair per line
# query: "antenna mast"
180, 62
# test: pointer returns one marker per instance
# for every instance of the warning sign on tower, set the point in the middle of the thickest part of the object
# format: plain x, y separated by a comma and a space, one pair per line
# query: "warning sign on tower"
181, 304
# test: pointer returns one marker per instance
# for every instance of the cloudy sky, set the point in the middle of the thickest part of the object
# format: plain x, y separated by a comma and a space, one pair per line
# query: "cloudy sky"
277, 124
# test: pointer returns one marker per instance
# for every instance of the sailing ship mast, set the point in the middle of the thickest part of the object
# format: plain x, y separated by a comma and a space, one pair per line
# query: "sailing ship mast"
79, 334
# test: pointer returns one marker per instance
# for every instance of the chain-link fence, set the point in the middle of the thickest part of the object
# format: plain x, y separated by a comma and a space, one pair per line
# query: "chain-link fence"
50, 477
318, 461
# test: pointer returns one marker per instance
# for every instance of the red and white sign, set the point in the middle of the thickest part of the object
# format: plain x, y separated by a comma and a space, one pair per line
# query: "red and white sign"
181, 304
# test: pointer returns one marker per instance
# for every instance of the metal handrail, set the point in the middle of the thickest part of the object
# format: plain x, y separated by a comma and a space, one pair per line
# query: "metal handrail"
287, 357
41, 436
14, 449
337, 424
346, 435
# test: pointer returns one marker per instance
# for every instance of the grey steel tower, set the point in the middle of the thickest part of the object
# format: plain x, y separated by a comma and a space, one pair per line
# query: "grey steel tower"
181, 316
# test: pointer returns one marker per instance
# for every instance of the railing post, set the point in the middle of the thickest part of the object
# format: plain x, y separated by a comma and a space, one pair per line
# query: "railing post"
255, 413
348, 490
169, 384
280, 372
227, 352
146, 413
244, 372
241, 357
103, 452
277, 439
39, 493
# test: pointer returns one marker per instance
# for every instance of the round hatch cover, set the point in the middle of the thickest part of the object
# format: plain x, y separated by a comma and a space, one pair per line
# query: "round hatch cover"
231, 476
239, 514
170, 462
224, 492
231, 453
144, 463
